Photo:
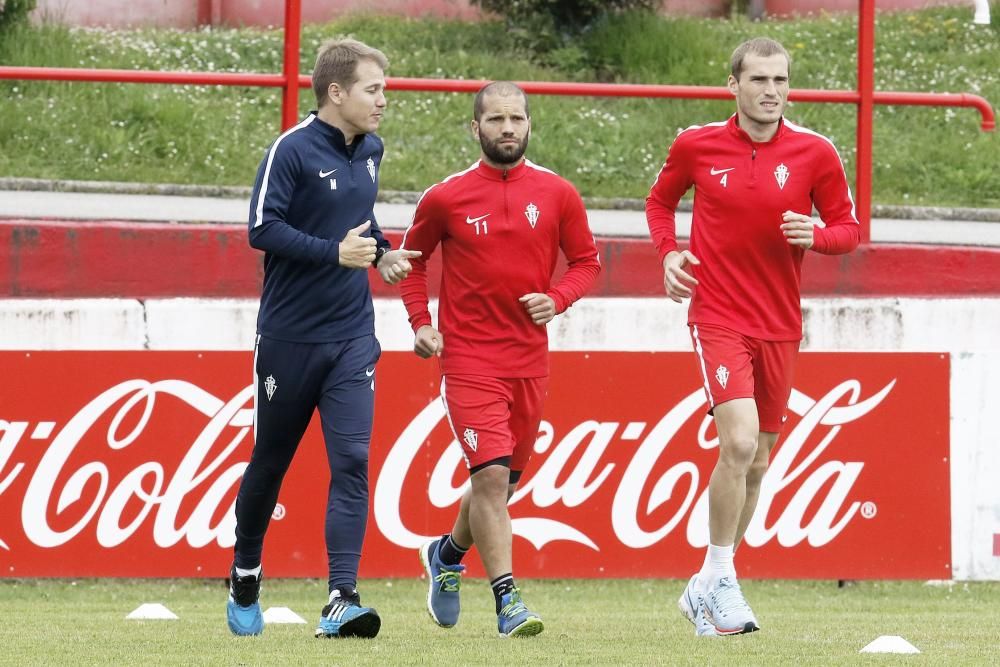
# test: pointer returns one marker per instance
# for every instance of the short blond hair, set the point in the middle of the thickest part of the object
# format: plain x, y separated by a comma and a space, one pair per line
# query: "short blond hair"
337, 62
758, 46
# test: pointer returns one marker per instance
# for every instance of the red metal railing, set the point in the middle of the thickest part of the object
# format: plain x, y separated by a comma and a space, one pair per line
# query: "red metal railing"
865, 97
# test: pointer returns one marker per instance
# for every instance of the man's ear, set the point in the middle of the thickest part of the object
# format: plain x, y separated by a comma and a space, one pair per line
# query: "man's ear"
335, 93
733, 84
474, 127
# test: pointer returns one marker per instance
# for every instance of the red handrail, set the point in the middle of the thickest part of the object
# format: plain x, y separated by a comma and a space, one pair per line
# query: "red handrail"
982, 105
290, 81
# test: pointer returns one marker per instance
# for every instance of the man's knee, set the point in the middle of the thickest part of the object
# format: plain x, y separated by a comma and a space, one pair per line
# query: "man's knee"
350, 457
491, 480
739, 450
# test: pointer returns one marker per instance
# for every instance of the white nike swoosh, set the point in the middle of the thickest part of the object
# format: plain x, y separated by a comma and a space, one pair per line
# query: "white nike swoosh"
324, 174
470, 221
371, 372
716, 172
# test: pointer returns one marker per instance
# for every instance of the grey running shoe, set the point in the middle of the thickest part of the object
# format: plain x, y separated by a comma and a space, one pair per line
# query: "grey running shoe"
692, 606
727, 610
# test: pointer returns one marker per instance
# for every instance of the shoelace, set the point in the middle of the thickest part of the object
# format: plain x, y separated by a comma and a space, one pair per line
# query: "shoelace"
728, 598
515, 606
450, 578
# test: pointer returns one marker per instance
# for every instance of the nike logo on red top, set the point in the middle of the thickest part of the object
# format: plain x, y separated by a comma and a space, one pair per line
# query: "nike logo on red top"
716, 172
470, 221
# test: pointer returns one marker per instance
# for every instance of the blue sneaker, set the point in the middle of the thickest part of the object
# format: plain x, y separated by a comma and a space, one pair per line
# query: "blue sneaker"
345, 617
443, 582
727, 610
515, 619
243, 609
691, 604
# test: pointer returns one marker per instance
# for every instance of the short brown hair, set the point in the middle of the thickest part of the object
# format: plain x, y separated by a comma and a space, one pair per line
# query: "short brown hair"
758, 46
337, 62
502, 88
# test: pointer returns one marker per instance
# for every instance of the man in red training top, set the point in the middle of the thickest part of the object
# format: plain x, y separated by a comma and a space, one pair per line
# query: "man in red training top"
500, 224
757, 177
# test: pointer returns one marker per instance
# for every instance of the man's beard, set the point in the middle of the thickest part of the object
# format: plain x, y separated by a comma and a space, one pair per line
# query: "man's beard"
503, 154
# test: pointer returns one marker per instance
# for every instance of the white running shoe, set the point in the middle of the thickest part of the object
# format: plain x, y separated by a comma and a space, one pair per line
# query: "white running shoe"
727, 610
692, 606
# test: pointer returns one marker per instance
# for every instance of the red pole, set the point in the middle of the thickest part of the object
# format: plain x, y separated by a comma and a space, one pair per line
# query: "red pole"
866, 106
290, 89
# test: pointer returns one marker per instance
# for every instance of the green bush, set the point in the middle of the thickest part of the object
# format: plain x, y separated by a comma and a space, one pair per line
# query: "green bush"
548, 26
15, 12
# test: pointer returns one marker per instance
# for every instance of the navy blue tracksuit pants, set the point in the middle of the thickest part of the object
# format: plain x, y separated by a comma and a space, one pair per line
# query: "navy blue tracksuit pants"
290, 381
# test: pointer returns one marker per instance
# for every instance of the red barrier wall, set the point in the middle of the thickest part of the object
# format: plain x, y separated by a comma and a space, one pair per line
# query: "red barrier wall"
127, 464
117, 259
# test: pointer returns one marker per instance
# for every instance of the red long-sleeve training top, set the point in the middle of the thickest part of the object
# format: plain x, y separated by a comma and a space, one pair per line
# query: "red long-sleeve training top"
500, 233
749, 275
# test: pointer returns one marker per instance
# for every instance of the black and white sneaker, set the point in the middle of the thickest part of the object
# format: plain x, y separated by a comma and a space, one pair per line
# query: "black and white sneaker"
343, 616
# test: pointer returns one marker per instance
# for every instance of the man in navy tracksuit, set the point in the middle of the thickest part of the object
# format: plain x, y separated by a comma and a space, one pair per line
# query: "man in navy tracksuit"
312, 213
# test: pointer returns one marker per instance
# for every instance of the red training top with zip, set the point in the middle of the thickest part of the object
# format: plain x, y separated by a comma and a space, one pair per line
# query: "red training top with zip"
749, 275
500, 233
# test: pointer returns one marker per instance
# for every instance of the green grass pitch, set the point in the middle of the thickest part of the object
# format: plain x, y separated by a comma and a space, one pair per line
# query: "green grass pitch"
597, 622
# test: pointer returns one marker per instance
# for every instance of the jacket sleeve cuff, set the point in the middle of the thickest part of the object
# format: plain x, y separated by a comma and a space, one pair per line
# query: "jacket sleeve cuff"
423, 319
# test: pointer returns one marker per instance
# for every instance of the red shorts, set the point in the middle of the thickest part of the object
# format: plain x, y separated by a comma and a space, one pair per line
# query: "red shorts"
736, 366
494, 418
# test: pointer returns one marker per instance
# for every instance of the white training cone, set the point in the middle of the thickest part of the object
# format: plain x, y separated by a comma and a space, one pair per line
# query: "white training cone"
890, 644
281, 615
152, 611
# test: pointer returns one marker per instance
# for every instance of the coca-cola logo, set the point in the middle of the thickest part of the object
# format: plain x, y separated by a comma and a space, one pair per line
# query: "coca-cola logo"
159, 491
794, 466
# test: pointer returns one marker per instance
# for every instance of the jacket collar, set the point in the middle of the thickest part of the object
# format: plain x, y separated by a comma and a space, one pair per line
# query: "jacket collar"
334, 134
733, 125
494, 174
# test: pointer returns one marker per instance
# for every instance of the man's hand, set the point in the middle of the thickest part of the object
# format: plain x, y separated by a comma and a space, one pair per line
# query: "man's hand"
676, 279
356, 251
798, 229
428, 342
541, 307
395, 265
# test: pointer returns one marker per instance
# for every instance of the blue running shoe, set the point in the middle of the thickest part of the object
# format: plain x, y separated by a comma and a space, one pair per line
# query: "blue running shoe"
515, 619
727, 610
443, 582
345, 617
691, 604
243, 609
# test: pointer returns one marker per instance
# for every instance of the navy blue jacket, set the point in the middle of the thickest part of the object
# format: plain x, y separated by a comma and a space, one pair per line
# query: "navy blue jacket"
310, 190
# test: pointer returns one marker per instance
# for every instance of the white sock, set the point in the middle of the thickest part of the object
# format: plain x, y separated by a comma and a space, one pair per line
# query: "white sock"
240, 572
718, 564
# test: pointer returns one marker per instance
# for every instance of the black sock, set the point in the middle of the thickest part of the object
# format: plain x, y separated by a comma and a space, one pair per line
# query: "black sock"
348, 591
501, 586
449, 552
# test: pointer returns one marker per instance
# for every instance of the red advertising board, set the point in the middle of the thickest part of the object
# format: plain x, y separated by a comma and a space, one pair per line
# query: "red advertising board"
127, 464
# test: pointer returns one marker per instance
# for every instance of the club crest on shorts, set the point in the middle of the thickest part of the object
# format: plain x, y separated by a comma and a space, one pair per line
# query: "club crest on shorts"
471, 438
722, 375
781, 175
531, 213
270, 385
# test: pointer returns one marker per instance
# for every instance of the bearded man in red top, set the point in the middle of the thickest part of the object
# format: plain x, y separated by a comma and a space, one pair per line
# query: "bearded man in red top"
501, 224
757, 177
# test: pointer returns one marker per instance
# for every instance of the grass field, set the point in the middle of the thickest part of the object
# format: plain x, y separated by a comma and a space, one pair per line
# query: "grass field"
608, 147
621, 622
